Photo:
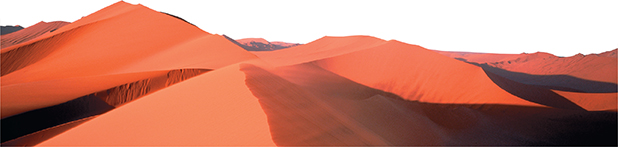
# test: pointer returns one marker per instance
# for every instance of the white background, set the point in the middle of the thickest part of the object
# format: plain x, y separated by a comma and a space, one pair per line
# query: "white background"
560, 27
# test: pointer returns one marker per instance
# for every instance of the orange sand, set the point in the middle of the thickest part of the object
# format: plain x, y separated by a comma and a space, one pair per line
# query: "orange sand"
121, 39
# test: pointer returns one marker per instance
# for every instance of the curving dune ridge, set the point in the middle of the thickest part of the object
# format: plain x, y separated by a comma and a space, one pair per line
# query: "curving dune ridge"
30, 33
114, 78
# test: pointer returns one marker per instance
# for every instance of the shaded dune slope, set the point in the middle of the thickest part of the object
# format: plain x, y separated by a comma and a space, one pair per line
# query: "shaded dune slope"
418, 74
594, 67
37, 122
589, 67
30, 33
33, 121
586, 80
307, 105
557, 82
592, 101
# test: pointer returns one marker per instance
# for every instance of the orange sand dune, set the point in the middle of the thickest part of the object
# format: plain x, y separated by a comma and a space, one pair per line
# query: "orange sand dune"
24, 97
596, 67
418, 74
215, 108
319, 49
253, 103
112, 41
30, 33
307, 105
590, 67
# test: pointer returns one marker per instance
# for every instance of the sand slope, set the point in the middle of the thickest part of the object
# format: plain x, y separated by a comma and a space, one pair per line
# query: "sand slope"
121, 39
595, 67
30, 33
319, 49
417, 74
215, 108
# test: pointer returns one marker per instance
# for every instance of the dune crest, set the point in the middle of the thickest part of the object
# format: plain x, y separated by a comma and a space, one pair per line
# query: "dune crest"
215, 108
30, 33
87, 52
595, 67
418, 74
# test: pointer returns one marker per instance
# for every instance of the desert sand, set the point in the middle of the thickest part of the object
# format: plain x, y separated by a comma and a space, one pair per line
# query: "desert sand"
115, 78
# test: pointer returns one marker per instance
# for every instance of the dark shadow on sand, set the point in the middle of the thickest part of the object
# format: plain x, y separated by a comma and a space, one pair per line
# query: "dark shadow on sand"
557, 82
36, 120
315, 114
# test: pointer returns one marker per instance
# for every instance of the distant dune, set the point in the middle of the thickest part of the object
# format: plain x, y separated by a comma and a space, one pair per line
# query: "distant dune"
260, 44
9, 29
115, 78
584, 73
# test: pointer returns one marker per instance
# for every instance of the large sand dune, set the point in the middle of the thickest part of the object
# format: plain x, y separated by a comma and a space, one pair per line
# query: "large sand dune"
105, 49
116, 78
594, 67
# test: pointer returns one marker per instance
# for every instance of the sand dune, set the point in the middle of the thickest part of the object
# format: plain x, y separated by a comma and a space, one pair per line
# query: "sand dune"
30, 33
215, 108
307, 105
595, 67
10, 29
319, 49
418, 74
86, 59
261, 44
115, 78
